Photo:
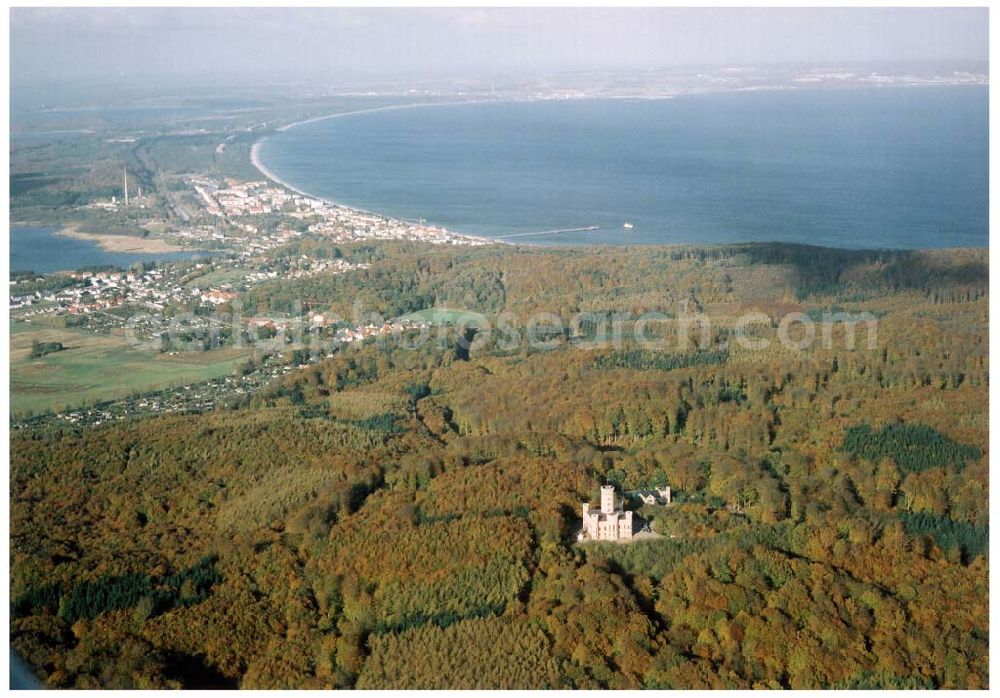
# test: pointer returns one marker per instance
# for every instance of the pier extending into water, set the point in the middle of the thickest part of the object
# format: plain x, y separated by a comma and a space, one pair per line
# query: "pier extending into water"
547, 232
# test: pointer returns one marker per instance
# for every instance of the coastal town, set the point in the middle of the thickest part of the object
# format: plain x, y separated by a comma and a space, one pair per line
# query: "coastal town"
238, 235
156, 288
233, 239
231, 200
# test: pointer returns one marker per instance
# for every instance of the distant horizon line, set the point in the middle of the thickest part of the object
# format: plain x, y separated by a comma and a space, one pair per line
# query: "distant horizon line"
402, 77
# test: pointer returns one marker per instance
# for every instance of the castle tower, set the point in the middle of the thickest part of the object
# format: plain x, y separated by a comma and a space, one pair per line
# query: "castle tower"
607, 499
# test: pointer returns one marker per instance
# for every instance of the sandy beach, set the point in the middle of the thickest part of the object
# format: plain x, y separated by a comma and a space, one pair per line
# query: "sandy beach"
263, 169
255, 160
123, 243
255, 148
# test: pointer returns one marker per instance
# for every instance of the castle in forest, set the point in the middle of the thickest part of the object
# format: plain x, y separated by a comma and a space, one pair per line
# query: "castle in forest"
612, 522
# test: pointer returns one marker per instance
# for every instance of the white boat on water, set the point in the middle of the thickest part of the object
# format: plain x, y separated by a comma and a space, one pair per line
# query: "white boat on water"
627, 226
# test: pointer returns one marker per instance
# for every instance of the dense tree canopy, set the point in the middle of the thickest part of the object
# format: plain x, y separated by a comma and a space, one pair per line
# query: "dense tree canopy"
395, 517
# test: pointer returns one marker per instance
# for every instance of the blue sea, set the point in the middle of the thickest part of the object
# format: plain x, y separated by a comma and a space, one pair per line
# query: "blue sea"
41, 250
897, 167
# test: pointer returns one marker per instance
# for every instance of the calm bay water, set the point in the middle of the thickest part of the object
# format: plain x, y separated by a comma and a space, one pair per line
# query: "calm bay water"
886, 168
41, 250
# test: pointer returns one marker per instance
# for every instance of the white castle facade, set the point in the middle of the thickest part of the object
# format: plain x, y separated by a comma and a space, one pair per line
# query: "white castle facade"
612, 522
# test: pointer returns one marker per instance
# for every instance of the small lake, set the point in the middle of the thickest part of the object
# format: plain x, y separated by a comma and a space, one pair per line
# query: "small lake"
41, 249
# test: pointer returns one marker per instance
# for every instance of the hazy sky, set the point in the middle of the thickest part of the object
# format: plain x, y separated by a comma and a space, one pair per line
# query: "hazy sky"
347, 44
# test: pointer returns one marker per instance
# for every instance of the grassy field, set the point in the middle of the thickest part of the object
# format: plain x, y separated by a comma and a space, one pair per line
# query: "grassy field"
215, 278
445, 316
93, 368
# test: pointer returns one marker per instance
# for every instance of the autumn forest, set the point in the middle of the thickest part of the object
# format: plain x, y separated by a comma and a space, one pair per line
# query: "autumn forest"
404, 514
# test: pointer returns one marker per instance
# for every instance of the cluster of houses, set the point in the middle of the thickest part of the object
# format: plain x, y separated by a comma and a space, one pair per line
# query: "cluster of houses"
307, 267
347, 225
241, 238
248, 198
102, 290
215, 296
363, 332
157, 288
346, 335
233, 199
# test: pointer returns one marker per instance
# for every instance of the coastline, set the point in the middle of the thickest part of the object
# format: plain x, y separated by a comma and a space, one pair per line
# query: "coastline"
264, 170
854, 244
373, 110
127, 244
270, 175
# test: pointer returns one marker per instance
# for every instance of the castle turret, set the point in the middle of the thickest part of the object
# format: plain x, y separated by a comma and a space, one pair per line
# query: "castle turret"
612, 522
607, 499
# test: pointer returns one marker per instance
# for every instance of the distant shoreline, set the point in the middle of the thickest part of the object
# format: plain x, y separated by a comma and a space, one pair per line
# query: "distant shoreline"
264, 170
373, 110
647, 234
